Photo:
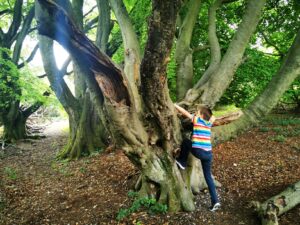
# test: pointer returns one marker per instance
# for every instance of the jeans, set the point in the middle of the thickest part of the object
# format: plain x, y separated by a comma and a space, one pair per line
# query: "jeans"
206, 158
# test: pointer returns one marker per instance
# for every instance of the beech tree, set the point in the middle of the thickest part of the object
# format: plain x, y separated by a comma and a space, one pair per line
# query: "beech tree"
12, 114
151, 135
87, 131
219, 74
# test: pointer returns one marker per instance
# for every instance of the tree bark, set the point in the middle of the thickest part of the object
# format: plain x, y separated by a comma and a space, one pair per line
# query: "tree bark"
183, 52
210, 92
269, 210
262, 104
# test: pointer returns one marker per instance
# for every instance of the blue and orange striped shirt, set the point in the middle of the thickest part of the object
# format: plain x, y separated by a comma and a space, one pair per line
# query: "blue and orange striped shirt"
201, 134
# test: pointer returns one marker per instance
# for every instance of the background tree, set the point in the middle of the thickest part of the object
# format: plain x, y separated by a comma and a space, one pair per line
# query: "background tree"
13, 115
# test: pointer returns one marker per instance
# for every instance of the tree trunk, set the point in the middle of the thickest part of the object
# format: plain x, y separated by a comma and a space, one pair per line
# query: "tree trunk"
149, 141
14, 124
210, 92
269, 210
82, 140
263, 103
183, 53
104, 25
131, 50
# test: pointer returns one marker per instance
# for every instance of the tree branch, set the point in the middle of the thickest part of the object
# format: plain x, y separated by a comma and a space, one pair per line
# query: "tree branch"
17, 18
215, 50
91, 10
200, 48
30, 57
21, 35
5, 11
271, 43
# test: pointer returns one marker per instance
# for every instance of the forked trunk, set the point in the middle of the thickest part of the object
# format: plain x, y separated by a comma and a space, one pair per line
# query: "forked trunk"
149, 139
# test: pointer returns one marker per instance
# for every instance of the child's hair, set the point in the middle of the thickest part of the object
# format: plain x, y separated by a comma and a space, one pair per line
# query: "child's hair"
205, 111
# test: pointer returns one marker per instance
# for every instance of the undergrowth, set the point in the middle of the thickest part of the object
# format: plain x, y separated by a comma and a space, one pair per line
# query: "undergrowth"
148, 204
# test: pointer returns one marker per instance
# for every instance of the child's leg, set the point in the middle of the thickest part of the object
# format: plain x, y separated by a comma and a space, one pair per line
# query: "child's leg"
186, 146
206, 166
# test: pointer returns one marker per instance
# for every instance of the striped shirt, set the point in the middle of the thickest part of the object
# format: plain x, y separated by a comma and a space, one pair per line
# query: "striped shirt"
201, 134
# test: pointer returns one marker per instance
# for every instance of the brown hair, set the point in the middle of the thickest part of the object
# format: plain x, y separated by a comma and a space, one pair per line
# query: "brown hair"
205, 111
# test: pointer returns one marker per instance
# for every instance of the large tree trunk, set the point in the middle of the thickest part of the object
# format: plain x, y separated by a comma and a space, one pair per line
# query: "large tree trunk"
149, 141
183, 53
210, 91
14, 124
262, 104
269, 210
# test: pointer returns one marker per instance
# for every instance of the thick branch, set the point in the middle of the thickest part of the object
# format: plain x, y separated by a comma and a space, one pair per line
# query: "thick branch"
263, 103
21, 35
104, 25
17, 18
215, 50
153, 69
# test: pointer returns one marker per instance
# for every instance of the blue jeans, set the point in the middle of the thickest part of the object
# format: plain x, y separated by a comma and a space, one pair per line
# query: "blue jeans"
206, 158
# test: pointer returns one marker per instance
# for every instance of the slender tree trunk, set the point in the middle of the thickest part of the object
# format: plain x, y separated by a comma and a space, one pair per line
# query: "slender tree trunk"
183, 53
131, 49
262, 104
210, 92
104, 24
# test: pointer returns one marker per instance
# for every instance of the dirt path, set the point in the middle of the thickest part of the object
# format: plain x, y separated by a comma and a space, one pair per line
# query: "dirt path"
37, 189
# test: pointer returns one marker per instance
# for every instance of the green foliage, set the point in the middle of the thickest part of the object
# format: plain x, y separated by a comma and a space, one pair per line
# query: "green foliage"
11, 173
10, 90
33, 88
150, 204
171, 74
264, 129
250, 78
278, 138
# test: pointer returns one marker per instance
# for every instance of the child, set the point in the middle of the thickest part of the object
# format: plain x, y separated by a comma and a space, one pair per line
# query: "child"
201, 148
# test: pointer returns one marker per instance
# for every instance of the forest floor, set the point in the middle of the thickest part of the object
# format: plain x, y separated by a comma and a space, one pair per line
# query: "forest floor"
35, 188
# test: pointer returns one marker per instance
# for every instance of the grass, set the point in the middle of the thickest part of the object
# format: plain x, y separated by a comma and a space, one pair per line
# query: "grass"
225, 109
61, 167
11, 173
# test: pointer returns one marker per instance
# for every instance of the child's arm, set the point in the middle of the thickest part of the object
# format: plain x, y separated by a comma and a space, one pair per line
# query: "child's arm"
183, 112
212, 119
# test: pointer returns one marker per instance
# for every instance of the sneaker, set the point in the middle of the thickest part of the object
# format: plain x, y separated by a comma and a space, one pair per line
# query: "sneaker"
181, 166
215, 207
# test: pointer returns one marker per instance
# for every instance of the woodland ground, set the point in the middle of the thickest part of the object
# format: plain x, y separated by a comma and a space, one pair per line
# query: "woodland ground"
37, 189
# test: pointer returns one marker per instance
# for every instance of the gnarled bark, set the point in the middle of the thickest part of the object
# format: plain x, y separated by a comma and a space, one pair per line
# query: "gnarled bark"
148, 145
